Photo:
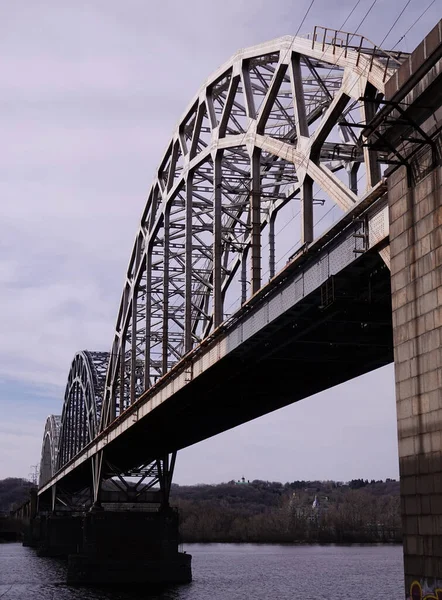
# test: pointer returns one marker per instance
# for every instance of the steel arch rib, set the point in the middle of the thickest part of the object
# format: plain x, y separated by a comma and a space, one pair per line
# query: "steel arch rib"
82, 404
49, 449
258, 132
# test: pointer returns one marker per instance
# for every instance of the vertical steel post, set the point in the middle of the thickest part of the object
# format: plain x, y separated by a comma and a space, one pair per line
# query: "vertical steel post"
113, 392
307, 211
255, 222
80, 432
248, 92
67, 443
368, 110
123, 350
244, 277
272, 246
78, 404
148, 318
302, 131
188, 266
70, 420
166, 245
353, 177
53, 497
165, 467
298, 97
217, 242
133, 352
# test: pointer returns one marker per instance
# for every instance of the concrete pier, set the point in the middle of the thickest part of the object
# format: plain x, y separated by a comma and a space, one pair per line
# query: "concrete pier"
129, 548
54, 535
59, 535
415, 207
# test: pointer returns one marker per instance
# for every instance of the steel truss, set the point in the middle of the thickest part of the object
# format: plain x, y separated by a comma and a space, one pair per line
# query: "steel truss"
156, 475
267, 128
49, 449
82, 404
272, 126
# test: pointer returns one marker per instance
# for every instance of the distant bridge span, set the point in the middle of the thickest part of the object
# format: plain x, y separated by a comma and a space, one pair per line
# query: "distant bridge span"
210, 332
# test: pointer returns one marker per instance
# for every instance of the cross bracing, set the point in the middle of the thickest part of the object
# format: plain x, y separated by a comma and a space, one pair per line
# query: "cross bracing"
274, 127
69, 433
268, 128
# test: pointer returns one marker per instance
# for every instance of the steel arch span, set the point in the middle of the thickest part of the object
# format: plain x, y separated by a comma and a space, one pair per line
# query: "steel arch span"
49, 449
82, 404
278, 125
272, 138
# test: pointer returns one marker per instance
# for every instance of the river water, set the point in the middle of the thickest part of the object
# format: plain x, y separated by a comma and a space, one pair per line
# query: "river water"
230, 572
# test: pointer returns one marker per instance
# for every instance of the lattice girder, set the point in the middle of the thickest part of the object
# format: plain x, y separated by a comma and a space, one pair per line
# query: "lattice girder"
269, 127
82, 404
49, 449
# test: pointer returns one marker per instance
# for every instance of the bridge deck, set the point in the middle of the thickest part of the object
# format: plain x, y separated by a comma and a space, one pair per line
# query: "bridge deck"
335, 299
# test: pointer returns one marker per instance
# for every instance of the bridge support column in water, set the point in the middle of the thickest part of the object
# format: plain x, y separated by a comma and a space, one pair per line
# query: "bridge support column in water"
129, 548
415, 207
57, 535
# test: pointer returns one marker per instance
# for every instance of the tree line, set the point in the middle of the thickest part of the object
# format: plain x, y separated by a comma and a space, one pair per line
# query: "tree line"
272, 512
13, 491
298, 512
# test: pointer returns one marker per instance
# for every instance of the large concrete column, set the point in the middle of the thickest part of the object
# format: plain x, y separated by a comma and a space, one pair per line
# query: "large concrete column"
60, 535
409, 126
129, 548
416, 278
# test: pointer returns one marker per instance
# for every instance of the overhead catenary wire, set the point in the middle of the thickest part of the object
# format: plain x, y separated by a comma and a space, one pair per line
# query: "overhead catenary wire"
351, 37
285, 55
323, 54
353, 34
396, 20
304, 161
414, 23
294, 246
350, 14
304, 17
365, 16
368, 11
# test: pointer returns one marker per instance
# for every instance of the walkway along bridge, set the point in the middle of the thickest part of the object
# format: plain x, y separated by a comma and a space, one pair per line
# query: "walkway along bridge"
298, 202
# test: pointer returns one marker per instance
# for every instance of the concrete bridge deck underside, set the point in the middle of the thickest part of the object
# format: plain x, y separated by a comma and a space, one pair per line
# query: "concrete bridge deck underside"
340, 330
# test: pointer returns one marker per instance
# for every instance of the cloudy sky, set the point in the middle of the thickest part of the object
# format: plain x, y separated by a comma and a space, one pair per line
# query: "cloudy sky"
89, 94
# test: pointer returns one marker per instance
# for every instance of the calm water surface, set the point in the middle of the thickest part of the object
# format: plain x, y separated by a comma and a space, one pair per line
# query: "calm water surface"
230, 572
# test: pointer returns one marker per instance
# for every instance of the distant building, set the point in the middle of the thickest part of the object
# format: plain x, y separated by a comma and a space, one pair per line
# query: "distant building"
242, 481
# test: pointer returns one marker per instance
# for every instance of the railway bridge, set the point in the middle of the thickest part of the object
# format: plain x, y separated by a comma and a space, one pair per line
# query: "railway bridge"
291, 240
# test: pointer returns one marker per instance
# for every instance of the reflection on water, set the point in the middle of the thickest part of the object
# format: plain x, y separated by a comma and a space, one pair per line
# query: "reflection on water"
229, 572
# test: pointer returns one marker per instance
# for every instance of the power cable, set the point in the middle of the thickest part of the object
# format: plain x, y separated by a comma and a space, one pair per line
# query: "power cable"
323, 54
285, 55
288, 50
385, 37
397, 19
351, 12
364, 17
413, 24
304, 18
351, 37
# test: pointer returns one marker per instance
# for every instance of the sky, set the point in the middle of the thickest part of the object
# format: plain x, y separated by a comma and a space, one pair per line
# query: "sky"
90, 93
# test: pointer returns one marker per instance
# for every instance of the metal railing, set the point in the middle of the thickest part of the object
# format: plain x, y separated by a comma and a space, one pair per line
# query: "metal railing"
345, 41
